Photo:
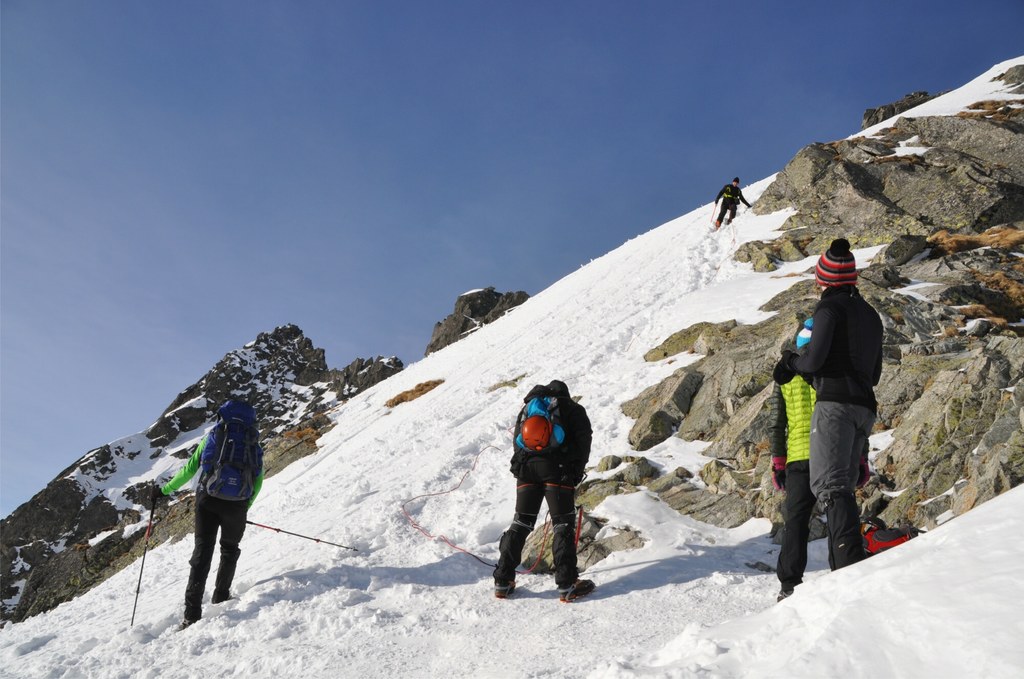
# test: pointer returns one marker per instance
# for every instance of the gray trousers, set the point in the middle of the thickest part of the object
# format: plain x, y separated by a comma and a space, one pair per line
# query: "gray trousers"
839, 437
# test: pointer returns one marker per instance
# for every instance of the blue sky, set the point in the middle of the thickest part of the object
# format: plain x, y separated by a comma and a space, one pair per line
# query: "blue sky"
176, 178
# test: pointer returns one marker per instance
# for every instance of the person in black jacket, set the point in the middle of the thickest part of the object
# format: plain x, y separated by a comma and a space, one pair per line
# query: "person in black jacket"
844, 361
731, 197
547, 470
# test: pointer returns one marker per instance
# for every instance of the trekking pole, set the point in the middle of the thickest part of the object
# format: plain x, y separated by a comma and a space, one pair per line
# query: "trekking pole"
149, 529
579, 524
305, 537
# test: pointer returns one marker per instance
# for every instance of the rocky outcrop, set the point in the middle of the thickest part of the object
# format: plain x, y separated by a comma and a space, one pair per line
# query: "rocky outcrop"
473, 310
590, 549
949, 390
77, 531
873, 116
362, 374
922, 174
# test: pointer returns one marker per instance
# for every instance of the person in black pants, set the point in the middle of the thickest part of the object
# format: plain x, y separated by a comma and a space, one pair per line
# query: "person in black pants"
547, 464
213, 514
789, 423
225, 493
730, 196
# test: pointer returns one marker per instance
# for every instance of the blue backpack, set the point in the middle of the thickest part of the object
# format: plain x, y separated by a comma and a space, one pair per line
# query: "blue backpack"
232, 459
539, 428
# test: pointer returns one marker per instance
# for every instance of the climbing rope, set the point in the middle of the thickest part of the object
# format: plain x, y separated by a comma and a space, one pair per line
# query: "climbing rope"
446, 540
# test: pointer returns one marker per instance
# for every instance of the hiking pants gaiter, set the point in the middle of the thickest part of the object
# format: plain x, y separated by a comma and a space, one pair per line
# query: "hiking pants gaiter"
531, 489
839, 433
213, 513
796, 513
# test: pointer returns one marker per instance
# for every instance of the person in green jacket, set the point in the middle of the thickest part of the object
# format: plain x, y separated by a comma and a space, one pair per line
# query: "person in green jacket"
230, 460
791, 405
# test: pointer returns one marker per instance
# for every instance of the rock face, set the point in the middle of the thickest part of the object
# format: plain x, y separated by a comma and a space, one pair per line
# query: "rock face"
473, 310
873, 116
949, 388
362, 374
961, 173
946, 194
54, 548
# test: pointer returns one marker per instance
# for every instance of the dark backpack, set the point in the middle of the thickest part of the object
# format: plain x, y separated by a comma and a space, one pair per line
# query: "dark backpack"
878, 537
232, 459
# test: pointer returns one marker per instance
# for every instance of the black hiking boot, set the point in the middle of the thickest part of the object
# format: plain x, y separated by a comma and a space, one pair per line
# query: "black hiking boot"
503, 590
187, 622
575, 591
784, 593
219, 597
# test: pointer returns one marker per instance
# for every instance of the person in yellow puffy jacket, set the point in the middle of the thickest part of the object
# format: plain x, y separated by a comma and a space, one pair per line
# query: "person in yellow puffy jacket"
791, 405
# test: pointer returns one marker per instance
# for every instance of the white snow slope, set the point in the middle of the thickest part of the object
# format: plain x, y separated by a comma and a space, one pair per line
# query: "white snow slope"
684, 605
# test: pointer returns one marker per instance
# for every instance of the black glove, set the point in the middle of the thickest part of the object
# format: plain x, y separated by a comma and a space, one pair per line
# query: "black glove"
788, 358
579, 472
155, 494
782, 374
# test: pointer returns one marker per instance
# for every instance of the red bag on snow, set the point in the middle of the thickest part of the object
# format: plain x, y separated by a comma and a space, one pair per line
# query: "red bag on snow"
878, 537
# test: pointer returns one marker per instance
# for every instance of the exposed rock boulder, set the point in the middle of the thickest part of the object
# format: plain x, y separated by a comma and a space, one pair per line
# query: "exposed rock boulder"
873, 116
473, 310
961, 173
659, 409
596, 541
964, 414
362, 374
948, 390
701, 338
903, 249
726, 510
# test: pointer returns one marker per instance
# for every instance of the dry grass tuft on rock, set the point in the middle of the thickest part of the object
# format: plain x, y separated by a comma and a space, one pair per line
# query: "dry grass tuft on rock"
506, 384
994, 109
1012, 288
414, 393
946, 243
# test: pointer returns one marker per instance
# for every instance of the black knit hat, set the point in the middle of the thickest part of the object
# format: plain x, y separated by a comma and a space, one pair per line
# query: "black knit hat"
837, 266
736, 179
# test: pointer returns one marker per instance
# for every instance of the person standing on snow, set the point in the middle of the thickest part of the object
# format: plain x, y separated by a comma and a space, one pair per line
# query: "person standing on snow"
730, 196
844, 358
231, 461
790, 406
551, 447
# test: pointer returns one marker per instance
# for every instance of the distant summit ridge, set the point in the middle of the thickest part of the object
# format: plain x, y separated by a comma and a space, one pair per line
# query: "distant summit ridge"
473, 310
46, 542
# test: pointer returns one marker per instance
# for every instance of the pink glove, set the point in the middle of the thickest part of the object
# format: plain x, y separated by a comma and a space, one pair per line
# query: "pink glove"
779, 473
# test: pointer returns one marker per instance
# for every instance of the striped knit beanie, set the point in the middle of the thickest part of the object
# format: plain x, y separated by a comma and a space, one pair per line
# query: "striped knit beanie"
837, 266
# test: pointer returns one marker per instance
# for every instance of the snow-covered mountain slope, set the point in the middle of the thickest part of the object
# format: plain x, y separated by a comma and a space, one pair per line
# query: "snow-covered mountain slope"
686, 604
281, 373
